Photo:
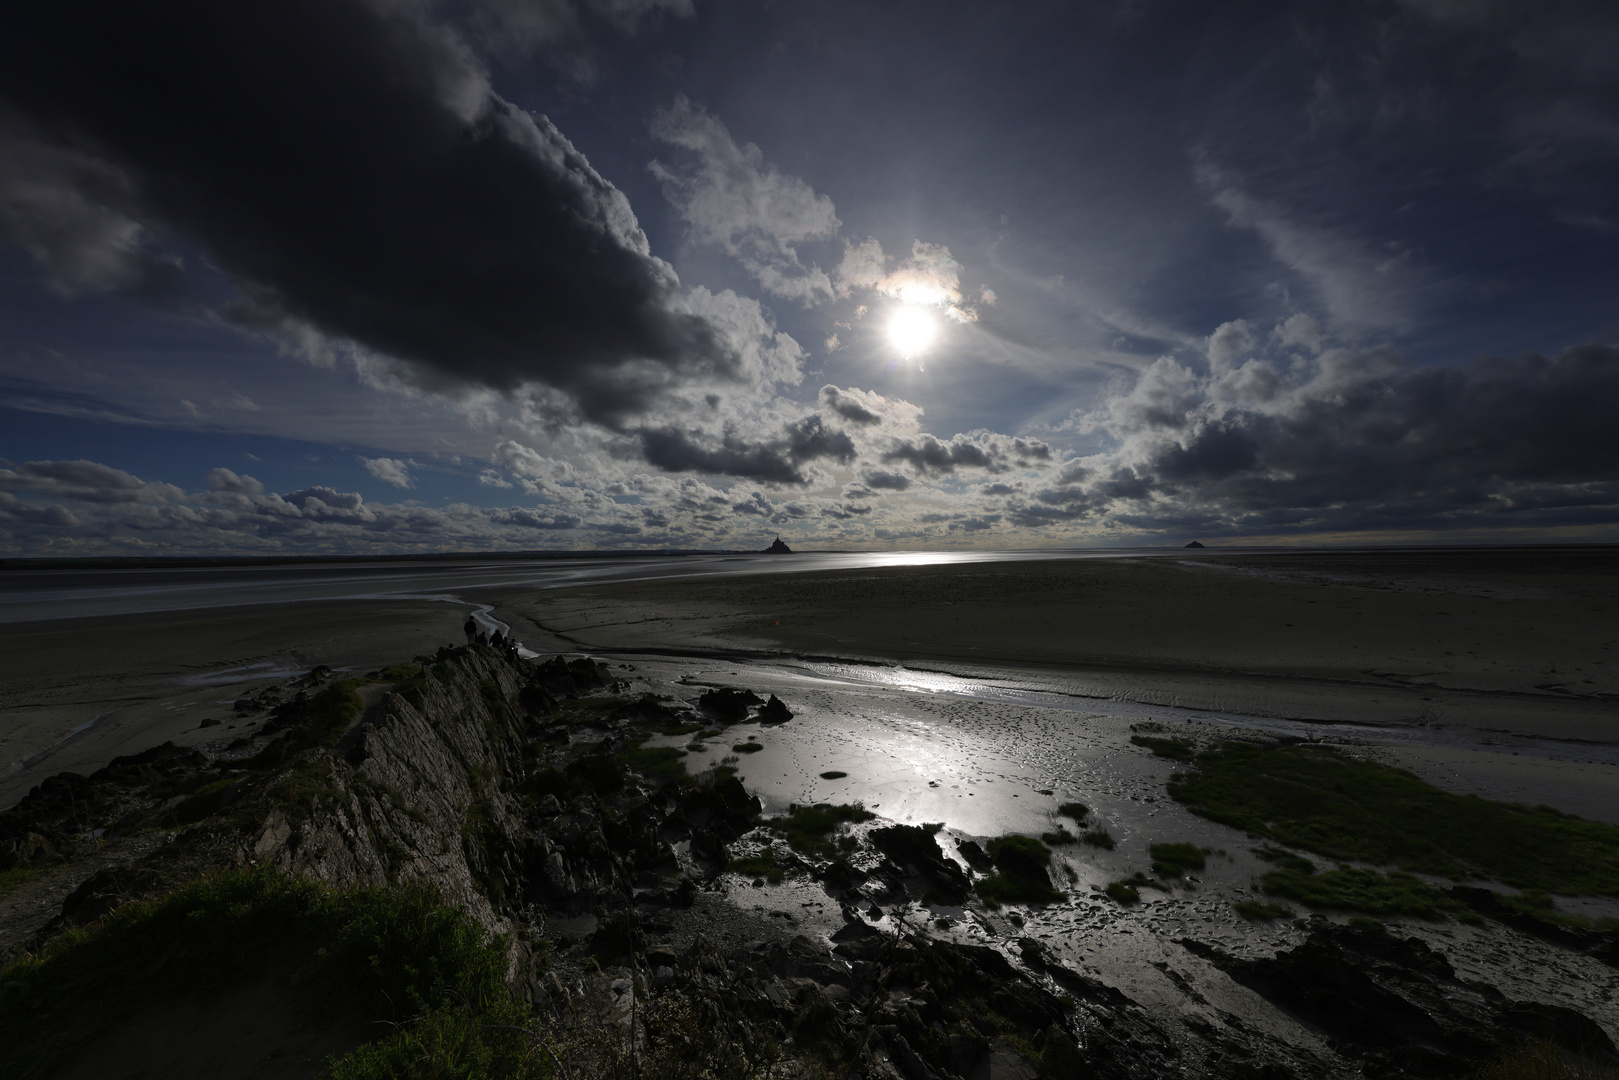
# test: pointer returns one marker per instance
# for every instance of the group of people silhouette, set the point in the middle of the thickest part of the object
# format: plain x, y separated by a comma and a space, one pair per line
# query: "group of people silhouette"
499, 640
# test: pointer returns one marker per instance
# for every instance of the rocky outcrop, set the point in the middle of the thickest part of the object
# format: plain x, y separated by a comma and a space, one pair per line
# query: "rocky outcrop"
1397, 1005
523, 793
420, 790
924, 870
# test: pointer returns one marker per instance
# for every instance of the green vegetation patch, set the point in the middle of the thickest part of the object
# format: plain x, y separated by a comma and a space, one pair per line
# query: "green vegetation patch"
1020, 877
399, 673
1324, 802
1122, 892
398, 955
18, 876
1077, 811
204, 801
1061, 838
657, 762
1019, 854
833, 774
808, 829
1002, 888
336, 707
760, 867
1174, 749
1173, 860
1125, 890
1256, 911
1099, 838
747, 748
1359, 889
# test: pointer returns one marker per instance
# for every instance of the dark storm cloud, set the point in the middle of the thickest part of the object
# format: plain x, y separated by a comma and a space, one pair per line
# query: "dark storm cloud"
349, 166
931, 455
1358, 442
997, 453
86, 481
847, 406
882, 480
778, 460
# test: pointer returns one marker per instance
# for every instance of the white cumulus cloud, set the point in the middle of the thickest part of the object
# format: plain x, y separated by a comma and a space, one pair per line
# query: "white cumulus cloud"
389, 471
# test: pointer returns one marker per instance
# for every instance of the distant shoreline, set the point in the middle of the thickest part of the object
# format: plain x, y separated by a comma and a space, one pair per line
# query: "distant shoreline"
135, 562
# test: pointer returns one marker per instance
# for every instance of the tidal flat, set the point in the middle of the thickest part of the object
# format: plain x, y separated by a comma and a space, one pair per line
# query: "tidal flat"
1058, 702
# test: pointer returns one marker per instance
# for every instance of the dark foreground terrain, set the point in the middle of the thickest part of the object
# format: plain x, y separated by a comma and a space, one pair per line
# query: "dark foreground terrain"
476, 865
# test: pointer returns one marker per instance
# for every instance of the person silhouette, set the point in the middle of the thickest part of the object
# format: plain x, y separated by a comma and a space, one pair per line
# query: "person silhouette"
470, 628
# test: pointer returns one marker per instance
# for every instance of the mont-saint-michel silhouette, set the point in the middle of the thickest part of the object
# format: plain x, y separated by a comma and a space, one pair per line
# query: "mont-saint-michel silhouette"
778, 548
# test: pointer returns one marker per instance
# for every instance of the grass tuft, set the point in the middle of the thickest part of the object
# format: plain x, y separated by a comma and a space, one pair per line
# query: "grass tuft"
1173, 749
808, 829
1077, 811
398, 955
1255, 911
1347, 810
1126, 890
1099, 838
1002, 888
1020, 878
762, 866
1173, 860
1359, 889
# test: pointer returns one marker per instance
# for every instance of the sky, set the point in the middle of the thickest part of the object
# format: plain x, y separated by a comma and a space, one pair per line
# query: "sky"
376, 276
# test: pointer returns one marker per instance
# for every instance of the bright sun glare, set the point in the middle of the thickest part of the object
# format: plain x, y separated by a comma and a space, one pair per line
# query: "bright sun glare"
911, 330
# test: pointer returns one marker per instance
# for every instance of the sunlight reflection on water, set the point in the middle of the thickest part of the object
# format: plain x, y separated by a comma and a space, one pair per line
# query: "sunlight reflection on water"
945, 685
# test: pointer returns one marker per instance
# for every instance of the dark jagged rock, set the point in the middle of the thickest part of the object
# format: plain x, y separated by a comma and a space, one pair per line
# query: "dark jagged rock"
648, 709
976, 856
775, 711
537, 700
1194, 544
778, 548
728, 704
1398, 1006
915, 850
569, 678
54, 818
1601, 945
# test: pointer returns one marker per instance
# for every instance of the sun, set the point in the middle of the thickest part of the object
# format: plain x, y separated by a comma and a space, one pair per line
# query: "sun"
911, 330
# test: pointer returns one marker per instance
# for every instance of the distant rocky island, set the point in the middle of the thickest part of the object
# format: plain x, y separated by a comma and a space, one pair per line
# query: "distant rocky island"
778, 548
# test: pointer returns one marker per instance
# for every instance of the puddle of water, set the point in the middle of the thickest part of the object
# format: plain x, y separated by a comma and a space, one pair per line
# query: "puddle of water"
40, 755
267, 669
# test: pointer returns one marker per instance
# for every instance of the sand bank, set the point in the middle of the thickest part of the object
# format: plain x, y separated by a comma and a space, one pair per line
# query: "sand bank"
1497, 641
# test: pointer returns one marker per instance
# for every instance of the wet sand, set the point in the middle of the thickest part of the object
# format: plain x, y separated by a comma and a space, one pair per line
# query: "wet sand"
1496, 641
986, 768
